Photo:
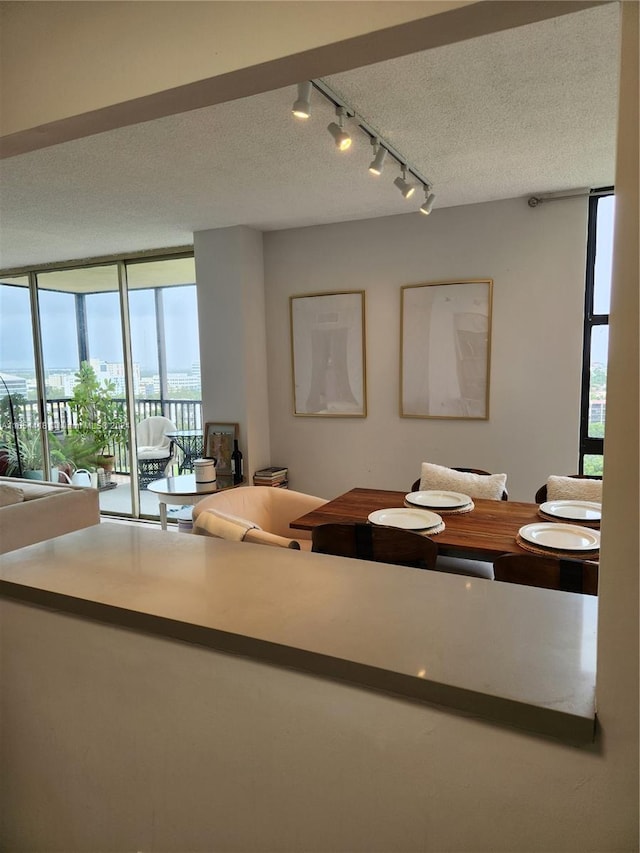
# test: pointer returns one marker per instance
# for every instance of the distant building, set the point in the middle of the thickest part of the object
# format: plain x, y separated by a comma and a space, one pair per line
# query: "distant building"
12, 385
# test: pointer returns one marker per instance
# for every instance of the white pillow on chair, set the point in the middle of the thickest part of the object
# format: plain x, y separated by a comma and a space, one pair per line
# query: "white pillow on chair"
573, 488
490, 486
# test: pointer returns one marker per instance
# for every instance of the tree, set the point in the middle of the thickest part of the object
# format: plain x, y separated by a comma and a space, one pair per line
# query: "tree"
97, 414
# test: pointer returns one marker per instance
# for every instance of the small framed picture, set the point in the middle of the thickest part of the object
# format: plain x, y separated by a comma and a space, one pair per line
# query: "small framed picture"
218, 444
328, 354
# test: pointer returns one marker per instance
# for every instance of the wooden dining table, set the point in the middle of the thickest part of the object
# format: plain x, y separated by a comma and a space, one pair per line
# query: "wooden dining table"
484, 533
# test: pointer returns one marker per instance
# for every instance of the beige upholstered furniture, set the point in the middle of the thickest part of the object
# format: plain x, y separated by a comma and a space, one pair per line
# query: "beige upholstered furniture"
221, 526
271, 509
32, 510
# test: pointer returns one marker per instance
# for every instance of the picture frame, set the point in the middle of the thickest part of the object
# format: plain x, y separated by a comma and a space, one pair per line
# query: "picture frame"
445, 349
218, 444
328, 360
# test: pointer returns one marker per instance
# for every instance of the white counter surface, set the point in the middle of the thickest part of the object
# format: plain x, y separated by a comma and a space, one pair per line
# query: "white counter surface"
512, 654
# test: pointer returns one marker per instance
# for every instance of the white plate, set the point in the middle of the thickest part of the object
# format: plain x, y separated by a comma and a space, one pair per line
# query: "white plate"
437, 499
407, 519
561, 537
580, 510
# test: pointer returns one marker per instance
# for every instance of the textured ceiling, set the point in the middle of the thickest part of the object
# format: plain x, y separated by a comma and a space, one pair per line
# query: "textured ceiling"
510, 114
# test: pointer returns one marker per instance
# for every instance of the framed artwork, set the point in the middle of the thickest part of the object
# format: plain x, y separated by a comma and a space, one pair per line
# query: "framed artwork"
328, 354
218, 445
445, 349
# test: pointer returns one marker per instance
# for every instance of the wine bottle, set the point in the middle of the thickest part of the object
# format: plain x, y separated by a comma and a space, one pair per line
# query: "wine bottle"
236, 463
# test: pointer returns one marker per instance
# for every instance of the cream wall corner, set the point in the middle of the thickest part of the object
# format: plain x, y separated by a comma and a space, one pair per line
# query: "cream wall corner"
229, 273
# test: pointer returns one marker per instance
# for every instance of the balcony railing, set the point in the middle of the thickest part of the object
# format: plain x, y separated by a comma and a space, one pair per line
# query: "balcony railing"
185, 414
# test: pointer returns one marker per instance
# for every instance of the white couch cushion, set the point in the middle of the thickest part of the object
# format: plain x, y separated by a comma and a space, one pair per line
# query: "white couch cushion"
489, 486
10, 495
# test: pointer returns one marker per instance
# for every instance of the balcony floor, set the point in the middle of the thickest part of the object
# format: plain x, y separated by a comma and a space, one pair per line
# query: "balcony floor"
118, 501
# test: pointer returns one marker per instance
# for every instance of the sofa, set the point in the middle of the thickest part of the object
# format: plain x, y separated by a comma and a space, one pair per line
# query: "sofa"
34, 510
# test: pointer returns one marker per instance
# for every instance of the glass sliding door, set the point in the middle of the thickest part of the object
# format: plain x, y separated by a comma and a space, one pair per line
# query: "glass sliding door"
21, 453
166, 369
83, 360
68, 377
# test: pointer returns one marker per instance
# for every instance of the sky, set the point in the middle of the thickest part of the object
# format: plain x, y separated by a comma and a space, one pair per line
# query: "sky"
58, 325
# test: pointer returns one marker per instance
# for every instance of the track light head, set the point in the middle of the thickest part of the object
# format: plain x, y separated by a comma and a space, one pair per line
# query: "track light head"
302, 106
429, 198
377, 164
340, 136
405, 188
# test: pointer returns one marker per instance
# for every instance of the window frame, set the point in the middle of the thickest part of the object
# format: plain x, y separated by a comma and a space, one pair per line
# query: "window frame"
588, 445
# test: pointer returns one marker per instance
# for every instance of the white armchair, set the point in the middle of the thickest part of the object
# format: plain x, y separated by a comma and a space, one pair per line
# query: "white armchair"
155, 450
271, 509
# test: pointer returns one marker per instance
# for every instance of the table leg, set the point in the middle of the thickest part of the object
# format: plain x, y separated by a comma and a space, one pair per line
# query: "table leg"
163, 513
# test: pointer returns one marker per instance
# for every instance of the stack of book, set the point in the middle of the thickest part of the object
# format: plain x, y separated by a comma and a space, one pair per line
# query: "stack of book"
275, 476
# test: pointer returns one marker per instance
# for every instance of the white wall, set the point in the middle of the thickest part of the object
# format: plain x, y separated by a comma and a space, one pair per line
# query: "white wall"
536, 258
231, 312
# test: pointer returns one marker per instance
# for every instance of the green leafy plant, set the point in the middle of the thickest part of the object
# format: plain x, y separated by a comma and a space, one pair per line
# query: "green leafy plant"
97, 414
74, 451
30, 451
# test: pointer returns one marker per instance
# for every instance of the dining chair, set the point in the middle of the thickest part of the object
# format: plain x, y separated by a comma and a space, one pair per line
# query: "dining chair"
541, 494
372, 542
505, 496
548, 572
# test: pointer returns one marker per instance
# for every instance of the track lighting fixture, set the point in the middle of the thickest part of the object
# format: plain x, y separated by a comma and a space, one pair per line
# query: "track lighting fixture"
429, 198
340, 136
377, 164
382, 148
302, 106
405, 188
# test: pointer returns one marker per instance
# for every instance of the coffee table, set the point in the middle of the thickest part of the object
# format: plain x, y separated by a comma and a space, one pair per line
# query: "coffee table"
183, 491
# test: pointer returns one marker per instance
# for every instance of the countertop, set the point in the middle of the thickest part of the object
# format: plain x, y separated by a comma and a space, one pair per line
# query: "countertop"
511, 654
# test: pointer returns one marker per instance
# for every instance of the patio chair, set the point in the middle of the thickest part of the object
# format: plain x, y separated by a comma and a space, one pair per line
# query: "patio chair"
155, 450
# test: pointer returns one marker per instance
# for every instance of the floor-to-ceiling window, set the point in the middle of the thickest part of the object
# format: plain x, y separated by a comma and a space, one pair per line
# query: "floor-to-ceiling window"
21, 453
83, 365
596, 332
124, 333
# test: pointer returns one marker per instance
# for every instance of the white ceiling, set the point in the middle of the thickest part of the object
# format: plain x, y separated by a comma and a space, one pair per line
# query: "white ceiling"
514, 113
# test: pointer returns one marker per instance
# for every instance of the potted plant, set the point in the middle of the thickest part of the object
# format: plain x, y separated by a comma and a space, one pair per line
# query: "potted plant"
70, 451
27, 454
98, 416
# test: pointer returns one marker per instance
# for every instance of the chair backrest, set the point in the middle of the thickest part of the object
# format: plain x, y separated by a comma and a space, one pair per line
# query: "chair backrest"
541, 494
377, 543
505, 495
150, 432
272, 509
548, 572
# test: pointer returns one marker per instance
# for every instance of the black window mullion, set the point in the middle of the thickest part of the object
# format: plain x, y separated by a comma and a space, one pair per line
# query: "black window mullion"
588, 444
